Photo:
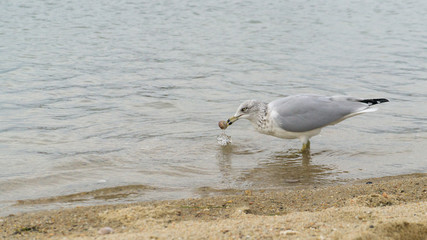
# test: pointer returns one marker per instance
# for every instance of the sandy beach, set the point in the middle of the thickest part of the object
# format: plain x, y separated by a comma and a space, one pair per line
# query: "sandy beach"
383, 208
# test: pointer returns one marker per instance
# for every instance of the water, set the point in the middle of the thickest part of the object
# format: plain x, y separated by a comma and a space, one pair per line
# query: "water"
118, 101
223, 139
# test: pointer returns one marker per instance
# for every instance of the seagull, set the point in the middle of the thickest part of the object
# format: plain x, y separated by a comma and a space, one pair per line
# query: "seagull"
301, 116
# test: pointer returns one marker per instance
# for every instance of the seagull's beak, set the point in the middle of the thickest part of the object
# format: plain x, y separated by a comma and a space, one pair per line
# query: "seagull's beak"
232, 120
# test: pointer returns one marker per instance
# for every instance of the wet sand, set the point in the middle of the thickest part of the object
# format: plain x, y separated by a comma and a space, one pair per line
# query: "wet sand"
384, 208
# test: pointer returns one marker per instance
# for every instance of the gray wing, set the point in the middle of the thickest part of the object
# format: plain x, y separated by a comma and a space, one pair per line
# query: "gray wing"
303, 113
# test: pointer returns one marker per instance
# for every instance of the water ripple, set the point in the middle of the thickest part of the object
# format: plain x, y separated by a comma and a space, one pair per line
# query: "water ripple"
131, 92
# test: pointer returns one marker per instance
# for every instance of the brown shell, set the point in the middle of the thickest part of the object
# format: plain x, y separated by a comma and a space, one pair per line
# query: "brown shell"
222, 124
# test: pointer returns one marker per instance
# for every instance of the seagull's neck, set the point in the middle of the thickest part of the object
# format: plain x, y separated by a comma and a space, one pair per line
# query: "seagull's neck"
260, 122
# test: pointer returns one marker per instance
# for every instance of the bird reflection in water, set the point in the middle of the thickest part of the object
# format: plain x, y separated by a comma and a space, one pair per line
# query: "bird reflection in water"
281, 169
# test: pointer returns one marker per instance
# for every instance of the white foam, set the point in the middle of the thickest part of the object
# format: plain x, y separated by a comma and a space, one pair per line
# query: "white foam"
223, 139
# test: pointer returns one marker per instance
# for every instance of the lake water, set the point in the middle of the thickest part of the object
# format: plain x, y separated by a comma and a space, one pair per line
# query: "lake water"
118, 101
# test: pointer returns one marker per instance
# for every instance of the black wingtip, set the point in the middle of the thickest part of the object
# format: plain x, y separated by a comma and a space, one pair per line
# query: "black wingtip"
374, 101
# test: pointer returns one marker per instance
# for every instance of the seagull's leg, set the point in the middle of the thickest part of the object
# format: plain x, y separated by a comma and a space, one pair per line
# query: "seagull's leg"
305, 143
305, 146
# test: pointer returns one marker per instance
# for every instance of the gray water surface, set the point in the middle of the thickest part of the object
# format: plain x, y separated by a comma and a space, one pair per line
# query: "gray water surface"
101, 94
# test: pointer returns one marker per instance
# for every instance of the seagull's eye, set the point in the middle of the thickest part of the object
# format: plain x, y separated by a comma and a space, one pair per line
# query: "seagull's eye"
244, 109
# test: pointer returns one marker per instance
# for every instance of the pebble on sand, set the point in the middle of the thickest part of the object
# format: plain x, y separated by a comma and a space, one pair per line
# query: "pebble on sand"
105, 230
288, 232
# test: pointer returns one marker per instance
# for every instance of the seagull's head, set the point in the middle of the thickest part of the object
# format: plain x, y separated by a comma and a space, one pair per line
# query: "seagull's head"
247, 110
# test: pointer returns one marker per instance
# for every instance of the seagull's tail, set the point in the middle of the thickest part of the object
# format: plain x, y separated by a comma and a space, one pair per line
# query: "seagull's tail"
374, 101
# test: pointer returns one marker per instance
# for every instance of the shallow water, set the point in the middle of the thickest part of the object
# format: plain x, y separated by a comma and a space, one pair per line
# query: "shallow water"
98, 95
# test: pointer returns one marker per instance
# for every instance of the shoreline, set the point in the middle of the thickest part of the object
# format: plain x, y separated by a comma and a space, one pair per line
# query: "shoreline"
379, 208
